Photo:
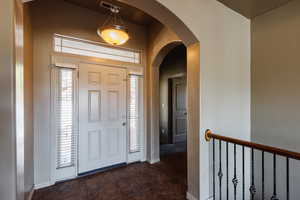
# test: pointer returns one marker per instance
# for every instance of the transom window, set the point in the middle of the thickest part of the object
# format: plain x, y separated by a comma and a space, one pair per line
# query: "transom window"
64, 44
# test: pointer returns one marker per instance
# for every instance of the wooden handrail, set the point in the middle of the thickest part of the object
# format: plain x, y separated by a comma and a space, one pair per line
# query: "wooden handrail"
290, 154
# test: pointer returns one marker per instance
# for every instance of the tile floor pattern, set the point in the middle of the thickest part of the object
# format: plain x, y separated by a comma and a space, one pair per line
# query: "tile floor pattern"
165, 180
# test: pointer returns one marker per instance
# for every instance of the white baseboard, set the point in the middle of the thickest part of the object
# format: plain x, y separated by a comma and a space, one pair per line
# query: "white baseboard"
189, 196
25, 1
42, 185
31, 194
154, 161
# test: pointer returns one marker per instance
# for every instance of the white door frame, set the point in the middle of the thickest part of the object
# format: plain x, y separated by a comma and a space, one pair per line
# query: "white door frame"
56, 174
140, 155
71, 61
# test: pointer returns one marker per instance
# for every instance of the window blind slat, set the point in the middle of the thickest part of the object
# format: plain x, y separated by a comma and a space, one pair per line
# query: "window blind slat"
64, 114
134, 132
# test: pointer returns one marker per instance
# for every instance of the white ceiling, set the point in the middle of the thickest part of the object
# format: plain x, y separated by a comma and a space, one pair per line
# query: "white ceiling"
253, 8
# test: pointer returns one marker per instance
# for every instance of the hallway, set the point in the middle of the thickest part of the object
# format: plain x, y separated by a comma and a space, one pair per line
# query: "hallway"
140, 181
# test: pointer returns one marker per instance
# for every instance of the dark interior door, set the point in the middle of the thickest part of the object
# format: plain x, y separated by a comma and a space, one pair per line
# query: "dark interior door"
179, 110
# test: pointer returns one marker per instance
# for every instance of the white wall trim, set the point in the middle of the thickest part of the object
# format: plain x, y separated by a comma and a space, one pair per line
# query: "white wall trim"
30, 196
189, 196
63, 58
208, 198
42, 185
154, 161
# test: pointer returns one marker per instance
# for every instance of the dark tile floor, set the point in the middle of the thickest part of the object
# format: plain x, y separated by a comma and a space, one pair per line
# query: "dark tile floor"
165, 180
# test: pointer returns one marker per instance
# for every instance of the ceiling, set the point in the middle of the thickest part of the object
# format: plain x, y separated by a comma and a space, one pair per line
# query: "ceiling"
127, 12
248, 8
253, 8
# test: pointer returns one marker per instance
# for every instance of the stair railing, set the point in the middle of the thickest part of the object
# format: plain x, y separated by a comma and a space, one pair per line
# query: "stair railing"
288, 155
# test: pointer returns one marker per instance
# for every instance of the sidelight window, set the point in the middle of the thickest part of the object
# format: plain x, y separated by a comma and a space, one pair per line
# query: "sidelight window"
134, 114
65, 122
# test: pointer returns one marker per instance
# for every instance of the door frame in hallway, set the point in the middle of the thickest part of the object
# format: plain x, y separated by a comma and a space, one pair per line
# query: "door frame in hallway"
176, 114
71, 61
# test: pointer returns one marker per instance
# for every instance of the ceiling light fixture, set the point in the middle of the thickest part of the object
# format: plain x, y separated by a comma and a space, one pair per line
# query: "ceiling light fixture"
113, 31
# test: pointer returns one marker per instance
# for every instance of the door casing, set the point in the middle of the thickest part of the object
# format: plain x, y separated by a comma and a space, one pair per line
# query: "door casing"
179, 112
71, 61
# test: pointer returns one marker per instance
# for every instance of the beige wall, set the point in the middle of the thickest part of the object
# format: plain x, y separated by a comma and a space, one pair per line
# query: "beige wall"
158, 38
224, 37
275, 78
275, 87
7, 136
12, 101
19, 98
28, 81
55, 16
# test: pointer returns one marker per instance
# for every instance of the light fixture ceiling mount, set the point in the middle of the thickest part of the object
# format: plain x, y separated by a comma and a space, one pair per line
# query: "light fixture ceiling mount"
113, 30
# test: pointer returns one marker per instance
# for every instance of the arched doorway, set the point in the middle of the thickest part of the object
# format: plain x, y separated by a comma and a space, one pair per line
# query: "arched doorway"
173, 113
156, 54
164, 43
193, 108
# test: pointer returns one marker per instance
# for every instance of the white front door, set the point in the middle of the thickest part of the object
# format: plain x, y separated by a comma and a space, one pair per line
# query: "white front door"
102, 116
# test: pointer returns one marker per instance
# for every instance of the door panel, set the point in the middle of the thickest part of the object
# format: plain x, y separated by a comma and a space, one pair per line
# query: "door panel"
179, 110
113, 106
113, 149
94, 145
102, 112
94, 105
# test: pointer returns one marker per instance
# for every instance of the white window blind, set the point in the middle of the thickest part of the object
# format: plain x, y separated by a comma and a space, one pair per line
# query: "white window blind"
85, 48
65, 118
134, 114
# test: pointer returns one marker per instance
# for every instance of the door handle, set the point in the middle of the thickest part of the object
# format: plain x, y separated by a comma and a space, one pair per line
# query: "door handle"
124, 124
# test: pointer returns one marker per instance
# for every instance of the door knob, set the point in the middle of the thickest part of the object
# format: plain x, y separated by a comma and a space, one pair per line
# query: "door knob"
124, 124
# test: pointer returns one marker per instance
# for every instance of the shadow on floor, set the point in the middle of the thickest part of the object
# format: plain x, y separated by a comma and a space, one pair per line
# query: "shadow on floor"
165, 180
168, 149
